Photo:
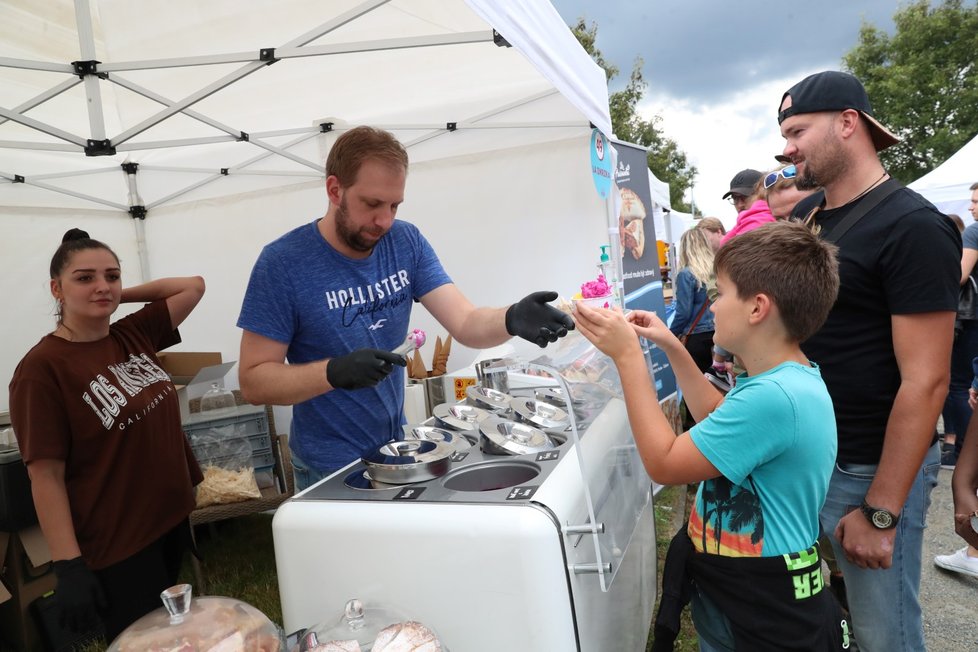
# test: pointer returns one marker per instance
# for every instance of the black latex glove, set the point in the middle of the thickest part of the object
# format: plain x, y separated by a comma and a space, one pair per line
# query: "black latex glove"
536, 321
79, 596
362, 368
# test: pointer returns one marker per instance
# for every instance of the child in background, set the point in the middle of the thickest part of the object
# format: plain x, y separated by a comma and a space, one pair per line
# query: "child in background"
763, 455
964, 487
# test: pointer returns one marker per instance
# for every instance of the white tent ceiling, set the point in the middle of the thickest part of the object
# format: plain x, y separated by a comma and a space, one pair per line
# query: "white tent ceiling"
181, 88
504, 194
947, 185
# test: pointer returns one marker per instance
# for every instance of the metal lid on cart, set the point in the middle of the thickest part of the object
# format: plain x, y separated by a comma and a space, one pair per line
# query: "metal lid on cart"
554, 395
431, 433
500, 436
539, 413
486, 398
459, 416
404, 462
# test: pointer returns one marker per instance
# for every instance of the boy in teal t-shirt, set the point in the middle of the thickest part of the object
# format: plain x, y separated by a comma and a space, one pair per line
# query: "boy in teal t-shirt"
763, 454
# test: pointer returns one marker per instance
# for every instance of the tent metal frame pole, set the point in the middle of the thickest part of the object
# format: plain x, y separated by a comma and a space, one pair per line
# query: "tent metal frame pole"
234, 133
188, 101
213, 178
271, 173
93, 93
244, 71
484, 115
75, 173
182, 142
51, 93
43, 127
48, 147
335, 23
476, 125
402, 43
285, 132
27, 64
139, 226
79, 195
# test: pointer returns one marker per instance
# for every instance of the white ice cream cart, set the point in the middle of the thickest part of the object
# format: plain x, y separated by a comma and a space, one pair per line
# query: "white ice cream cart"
550, 549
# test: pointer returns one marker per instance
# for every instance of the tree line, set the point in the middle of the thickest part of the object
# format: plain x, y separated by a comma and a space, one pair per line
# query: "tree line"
922, 81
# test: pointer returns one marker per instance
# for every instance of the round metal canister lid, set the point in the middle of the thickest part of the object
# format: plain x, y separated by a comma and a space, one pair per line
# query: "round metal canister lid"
459, 415
553, 395
514, 438
402, 462
539, 413
486, 398
432, 433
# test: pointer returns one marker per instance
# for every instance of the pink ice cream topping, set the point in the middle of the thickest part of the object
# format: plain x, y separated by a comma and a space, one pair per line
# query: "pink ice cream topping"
595, 289
418, 337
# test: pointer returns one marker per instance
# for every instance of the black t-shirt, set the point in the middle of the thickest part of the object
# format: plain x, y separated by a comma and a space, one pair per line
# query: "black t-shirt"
902, 257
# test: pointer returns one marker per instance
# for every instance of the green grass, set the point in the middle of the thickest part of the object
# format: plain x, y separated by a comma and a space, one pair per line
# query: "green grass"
239, 561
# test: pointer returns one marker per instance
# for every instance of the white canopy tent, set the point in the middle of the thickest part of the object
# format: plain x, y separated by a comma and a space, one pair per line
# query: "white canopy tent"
227, 109
947, 185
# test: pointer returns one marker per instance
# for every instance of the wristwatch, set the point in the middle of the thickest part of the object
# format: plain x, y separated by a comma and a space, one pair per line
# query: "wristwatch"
880, 518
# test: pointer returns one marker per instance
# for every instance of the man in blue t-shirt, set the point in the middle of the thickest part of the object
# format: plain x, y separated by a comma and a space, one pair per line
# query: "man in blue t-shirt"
334, 297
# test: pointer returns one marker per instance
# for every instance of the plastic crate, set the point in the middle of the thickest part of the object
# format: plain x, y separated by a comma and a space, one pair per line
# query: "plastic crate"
260, 443
253, 423
247, 422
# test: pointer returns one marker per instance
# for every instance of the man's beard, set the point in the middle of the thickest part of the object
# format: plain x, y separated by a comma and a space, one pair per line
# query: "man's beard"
353, 239
831, 161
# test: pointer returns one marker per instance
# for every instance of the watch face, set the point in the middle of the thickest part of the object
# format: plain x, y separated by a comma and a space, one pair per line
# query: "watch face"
882, 520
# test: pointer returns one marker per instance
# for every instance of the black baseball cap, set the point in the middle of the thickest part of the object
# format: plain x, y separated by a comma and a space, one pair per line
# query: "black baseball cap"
781, 158
743, 183
835, 91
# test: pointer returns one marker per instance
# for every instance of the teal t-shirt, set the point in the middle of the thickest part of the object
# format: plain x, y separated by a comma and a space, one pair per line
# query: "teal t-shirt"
774, 440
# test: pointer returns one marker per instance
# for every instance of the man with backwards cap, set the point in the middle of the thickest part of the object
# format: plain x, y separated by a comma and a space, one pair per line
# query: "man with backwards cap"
884, 351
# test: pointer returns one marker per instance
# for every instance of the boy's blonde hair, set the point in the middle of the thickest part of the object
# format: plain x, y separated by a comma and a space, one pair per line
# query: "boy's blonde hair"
792, 266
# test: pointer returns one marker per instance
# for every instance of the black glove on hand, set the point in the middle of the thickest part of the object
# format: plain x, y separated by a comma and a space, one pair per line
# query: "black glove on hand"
535, 321
362, 368
78, 595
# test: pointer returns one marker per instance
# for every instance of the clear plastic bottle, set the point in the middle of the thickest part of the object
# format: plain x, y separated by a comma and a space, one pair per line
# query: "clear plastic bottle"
217, 401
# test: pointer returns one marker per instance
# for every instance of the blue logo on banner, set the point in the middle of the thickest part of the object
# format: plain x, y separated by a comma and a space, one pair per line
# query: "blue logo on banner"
600, 163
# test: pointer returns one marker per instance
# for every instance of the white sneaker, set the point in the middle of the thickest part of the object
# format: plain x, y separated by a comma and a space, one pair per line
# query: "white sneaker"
959, 562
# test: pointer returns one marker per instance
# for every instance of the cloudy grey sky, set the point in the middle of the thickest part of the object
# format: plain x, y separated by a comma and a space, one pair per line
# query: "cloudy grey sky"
716, 69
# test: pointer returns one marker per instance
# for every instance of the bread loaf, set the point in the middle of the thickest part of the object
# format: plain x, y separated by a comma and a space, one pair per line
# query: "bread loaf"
410, 636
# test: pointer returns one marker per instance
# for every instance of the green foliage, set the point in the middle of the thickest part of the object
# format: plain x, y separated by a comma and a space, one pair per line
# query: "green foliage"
666, 160
922, 82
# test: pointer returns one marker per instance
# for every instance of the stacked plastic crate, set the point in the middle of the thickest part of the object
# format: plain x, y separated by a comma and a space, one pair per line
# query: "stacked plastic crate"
244, 421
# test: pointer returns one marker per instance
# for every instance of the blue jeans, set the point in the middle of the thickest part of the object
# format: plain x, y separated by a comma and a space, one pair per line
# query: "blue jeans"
713, 629
884, 603
305, 476
956, 411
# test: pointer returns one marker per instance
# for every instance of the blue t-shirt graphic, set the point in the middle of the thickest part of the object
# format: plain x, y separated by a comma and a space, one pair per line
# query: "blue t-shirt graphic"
323, 304
774, 441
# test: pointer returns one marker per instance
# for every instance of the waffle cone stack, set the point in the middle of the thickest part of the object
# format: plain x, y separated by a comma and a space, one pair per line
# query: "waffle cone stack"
439, 363
416, 368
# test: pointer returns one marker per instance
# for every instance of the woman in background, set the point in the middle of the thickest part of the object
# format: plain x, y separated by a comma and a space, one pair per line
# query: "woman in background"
98, 425
693, 320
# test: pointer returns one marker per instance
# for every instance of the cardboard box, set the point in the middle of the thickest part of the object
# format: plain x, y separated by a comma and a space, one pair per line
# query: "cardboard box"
193, 373
27, 574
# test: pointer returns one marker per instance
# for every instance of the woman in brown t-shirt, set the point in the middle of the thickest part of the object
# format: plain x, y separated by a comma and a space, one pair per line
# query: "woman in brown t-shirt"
98, 425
